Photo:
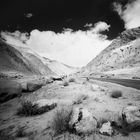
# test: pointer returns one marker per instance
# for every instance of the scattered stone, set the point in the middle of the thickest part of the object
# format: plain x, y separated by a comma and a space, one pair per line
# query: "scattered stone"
106, 129
95, 87
131, 115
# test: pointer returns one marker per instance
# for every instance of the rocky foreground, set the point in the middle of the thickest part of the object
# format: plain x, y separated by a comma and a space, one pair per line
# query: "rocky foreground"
72, 109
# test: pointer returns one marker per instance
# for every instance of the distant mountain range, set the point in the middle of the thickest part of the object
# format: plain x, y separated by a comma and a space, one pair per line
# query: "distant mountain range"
16, 59
122, 53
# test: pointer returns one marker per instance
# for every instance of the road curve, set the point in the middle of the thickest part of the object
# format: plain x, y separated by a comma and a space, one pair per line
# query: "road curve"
124, 82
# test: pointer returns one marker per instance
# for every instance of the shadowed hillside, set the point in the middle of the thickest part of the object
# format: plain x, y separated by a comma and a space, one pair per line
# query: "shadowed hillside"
12, 60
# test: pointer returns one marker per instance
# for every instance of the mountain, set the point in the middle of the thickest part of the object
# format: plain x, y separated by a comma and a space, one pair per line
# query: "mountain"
35, 60
23, 60
12, 60
122, 53
59, 68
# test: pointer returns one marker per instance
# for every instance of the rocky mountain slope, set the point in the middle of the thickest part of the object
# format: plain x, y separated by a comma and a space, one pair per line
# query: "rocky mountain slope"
35, 60
12, 60
22, 60
123, 52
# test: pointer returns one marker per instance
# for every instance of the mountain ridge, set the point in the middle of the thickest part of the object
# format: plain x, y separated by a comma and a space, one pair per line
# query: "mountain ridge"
123, 52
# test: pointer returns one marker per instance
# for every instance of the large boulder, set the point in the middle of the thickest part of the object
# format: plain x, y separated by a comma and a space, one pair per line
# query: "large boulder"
34, 85
83, 121
131, 116
9, 89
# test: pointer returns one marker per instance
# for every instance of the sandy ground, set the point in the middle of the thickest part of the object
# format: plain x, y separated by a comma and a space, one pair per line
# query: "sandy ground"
98, 102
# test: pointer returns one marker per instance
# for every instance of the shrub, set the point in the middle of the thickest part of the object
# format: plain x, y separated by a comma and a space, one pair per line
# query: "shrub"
61, 121
71, 80
20, 132
30, 109
116, 94
65, 83
6, 136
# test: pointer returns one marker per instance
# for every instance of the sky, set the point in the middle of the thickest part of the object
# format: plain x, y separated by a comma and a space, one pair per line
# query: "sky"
70, 31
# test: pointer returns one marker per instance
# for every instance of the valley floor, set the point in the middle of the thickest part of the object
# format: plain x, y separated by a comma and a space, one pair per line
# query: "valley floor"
96, 99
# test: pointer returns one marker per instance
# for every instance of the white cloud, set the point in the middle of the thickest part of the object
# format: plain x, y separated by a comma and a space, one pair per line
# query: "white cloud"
88, 25
130, 14
118, 8
28, 15
72, 48
100, 26
15, 38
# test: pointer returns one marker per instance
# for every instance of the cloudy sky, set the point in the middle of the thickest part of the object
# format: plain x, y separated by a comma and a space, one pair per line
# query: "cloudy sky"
70, 31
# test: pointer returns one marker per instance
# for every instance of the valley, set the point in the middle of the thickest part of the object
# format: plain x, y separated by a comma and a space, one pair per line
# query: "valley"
43, 99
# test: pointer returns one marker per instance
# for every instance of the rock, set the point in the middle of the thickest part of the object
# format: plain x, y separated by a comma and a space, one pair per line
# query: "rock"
49, 80
24, 86
131, 115
44, 102
9, 89
80, 99
83, 121
34, 85
95, 87
54, 78
106, 129
74, 117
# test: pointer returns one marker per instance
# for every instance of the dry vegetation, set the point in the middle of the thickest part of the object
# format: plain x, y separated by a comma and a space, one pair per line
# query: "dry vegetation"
21, 132
61, 120
66, 83
71, 80
30, 109
116, 94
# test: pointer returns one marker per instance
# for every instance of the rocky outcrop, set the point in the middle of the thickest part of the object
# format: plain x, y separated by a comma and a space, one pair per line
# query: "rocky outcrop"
131, 116
83, 121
